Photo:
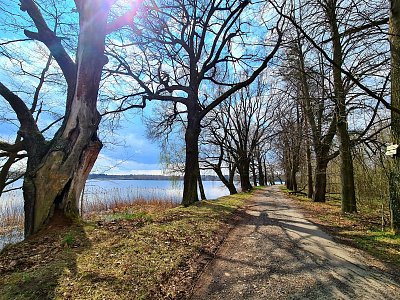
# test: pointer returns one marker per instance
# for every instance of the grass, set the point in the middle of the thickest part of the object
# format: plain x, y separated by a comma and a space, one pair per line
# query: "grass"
99, 199
129, 254
363, 230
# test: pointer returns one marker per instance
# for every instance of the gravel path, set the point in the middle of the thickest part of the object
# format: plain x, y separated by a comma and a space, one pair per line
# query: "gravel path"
274, 253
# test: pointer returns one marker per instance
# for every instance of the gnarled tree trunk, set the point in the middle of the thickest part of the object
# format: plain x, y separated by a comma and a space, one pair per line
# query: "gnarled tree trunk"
57, 171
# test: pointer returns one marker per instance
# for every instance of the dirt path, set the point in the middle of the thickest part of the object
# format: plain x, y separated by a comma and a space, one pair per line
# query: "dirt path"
274, 253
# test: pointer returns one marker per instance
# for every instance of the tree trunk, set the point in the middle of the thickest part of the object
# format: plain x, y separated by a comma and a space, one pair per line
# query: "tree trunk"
310, 188
293, 179
320, 180
56, 185
228, 183
346, 168
394, 181
231, 179
253, 171
261, 176
193, 129
266, 176
56, 173
244, 172
201, 187
289, 184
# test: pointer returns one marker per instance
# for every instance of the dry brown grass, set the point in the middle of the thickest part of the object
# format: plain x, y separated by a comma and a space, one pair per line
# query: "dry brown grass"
128, 254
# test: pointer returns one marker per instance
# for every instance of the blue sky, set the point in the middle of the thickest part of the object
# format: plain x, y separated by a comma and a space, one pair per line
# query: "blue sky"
127, 151
133, 152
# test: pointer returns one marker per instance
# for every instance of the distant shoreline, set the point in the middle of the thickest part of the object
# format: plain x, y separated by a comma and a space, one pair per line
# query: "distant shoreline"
146, 177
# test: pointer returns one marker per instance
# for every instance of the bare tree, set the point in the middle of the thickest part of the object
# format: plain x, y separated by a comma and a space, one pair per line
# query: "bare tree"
215, 154
246, 121
188, 47
57, 168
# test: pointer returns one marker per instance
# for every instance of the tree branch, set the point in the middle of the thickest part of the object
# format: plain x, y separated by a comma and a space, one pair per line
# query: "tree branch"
25, 117
49, 38
244, 83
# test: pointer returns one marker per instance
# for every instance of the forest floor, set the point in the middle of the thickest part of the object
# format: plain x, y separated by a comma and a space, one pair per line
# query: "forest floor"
276, 253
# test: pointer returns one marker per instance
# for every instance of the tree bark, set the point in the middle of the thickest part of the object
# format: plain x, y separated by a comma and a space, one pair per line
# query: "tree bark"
192, 134
394, 180
293, 179
267, 178
320, 180
56, 172
346, 170
288, 181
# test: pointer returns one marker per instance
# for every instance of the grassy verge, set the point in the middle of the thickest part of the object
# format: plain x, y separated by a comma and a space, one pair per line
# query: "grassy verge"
362, 230
130, 254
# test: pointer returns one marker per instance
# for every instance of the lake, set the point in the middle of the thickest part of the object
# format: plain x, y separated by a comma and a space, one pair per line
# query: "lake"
101, 193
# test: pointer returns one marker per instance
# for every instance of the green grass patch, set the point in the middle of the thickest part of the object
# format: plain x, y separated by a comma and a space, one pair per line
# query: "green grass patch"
126, 255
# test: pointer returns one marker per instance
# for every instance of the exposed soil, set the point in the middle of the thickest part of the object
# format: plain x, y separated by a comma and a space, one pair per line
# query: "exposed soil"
275, 253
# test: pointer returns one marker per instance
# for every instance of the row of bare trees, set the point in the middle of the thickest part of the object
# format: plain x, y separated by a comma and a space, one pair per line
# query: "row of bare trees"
337, 86
237, 136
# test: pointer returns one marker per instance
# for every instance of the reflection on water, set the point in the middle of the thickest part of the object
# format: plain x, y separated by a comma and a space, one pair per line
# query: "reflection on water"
100, 193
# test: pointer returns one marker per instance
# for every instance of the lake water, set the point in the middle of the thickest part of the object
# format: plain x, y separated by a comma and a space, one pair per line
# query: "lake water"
100, 193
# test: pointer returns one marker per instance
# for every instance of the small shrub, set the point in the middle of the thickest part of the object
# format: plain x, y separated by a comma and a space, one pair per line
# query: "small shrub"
68, 240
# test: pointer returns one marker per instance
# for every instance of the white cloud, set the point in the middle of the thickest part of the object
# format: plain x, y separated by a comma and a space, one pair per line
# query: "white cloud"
108, 165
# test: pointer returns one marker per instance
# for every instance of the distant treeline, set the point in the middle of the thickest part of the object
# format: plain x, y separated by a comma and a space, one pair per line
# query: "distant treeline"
146, 177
